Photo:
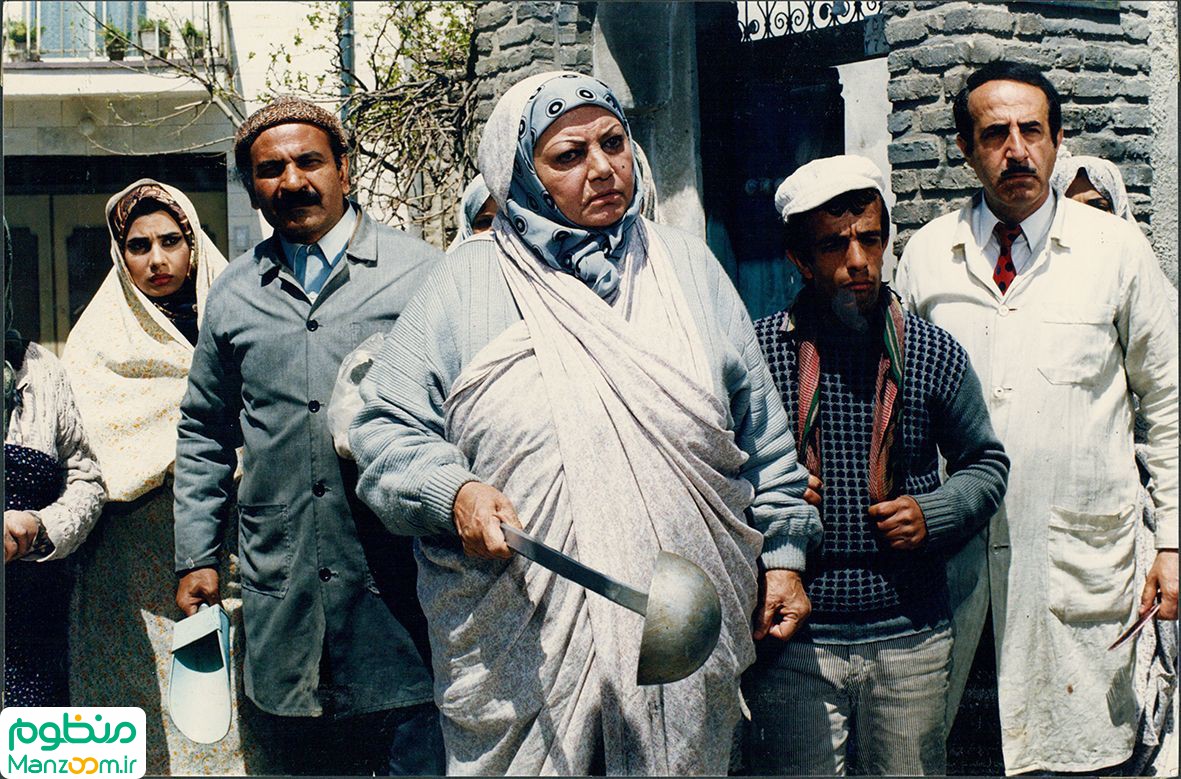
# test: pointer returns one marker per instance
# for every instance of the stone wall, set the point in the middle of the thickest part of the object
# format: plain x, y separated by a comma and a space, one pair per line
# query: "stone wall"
1099, 60
1162, 104
518, 39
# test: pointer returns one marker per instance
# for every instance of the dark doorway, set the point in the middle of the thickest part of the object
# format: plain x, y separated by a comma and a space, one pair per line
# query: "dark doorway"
767, 107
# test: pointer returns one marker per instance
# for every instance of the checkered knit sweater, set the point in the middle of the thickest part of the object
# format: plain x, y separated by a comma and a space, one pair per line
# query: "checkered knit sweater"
861, 590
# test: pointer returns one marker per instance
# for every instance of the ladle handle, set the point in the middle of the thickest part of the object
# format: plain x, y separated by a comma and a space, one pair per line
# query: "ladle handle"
569, 568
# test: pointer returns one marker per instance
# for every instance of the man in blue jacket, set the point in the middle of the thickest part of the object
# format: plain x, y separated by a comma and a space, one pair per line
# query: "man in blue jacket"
342, 683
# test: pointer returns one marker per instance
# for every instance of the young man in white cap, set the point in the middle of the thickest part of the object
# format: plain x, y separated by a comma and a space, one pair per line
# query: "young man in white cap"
874, 396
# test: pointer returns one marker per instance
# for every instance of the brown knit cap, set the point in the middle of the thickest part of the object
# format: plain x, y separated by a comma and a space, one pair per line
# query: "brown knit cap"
285, 110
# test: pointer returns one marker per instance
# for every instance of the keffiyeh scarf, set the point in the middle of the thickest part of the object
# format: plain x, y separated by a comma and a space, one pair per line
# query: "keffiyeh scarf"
891, 321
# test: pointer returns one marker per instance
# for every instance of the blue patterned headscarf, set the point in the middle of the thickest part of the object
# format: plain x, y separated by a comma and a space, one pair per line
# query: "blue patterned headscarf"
591, 254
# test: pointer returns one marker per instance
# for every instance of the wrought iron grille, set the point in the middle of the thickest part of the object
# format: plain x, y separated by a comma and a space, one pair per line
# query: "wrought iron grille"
759, 19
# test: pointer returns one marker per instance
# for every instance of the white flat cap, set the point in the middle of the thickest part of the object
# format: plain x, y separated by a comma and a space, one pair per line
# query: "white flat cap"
821, 180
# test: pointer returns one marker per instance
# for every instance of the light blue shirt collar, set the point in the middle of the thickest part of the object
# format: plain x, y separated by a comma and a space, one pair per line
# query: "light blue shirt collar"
333, 244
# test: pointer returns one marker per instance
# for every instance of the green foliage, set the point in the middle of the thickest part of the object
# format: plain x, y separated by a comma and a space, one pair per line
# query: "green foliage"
115, 40
410, 108
19, 32
147, 23
190, 30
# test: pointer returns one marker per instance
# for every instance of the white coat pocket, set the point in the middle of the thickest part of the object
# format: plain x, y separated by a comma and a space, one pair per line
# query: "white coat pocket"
1092, 565
1078, 341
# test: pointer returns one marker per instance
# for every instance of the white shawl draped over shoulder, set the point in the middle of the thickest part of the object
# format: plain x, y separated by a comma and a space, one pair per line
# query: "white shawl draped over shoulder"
129, 366
602, 423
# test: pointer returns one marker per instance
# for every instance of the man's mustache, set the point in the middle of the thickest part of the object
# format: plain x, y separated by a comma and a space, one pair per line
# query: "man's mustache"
306, 197
1018, 170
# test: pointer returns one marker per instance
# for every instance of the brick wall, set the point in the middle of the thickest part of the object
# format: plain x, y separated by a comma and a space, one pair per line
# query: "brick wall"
1098, 60
518, 39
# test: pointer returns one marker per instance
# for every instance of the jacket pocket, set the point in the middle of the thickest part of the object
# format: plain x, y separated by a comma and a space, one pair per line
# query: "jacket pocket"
264, 544
1078, 340
1092, 565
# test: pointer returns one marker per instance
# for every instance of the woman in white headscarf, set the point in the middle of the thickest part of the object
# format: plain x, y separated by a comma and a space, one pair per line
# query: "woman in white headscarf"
128, 359
475, 211
595, 378
1092, 181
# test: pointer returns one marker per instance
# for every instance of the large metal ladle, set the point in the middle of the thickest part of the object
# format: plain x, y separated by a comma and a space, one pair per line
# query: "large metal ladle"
681, 611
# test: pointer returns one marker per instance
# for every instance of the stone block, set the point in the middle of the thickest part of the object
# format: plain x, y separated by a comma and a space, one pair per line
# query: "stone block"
1038, 56
1095, 117
1029, 26
22, 140
1098, 86
1132, 59
904, 181
914, 87
518, 58
1135, 89
982, 49
951, 178
915, 148
493, 14
567, 13
918, 212
486, 89
938, 56
936, 119
978, 19
38, 112
486, 66
1135, 28
1138, 148
899, 122
1137, 175
1065, 81
1129, 117
515, 35
1109, 147
899, 61
1097, 57
910, 29
953, 81
538, 10
1081, 27
483, 44
1069, 55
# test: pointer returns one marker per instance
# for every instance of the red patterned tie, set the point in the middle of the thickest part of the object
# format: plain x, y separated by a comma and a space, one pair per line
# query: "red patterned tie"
1005, 271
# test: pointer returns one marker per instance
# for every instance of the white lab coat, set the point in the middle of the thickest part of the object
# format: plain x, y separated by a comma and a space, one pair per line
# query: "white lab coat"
1083, 328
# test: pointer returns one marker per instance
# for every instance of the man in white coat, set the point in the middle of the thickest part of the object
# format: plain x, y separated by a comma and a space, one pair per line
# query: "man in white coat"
1064, 314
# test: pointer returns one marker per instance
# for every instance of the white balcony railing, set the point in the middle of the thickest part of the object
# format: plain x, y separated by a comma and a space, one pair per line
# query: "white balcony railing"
73, 30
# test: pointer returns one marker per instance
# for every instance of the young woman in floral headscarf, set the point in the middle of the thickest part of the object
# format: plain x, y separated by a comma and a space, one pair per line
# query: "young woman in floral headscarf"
595, 378
128, 358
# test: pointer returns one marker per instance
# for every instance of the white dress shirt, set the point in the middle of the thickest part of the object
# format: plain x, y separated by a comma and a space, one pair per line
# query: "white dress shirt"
1034, 231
